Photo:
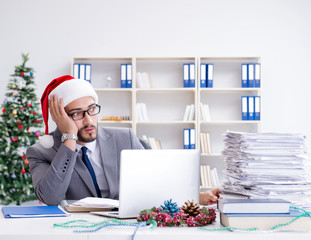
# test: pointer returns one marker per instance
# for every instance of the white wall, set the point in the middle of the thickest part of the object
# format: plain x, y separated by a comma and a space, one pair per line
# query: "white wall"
53, 31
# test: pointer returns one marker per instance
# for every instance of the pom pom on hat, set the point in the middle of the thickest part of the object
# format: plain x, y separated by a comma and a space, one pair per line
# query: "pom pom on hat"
69, 89
47, 141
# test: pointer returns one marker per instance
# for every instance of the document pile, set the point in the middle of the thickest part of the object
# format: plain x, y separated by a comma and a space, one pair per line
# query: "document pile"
267, 165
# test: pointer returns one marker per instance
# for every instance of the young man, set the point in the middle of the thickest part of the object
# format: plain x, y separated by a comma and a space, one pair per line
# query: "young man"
80, 159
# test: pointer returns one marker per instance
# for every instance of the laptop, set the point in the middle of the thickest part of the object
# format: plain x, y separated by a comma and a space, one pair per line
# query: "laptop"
149, 177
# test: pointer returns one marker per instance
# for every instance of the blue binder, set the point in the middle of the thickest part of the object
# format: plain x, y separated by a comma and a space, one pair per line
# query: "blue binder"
257, 75
186, 138
192, 138
251, 75
192, 75
244, 107
251, 108
88, 72
123, 75
82, 71
257, 108
210, 75
244, 75
33, 211
75, 70
129, 75
186, 75
203, 75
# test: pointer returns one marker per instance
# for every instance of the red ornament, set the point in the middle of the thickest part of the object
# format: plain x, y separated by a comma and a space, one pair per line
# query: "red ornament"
22, 74
15, 139
26, 161
20, 127
23, 157
23, 108
3, 109
29, 105
23, 170
36, 121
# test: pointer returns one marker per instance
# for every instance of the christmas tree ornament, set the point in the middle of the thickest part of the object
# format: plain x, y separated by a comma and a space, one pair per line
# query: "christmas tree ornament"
29, 131
11, 116
31, 74
14, 112
18, 122
26, 161
3, 110
13, 176
23, 171
37, 134
20, 127
22, 74
191, 209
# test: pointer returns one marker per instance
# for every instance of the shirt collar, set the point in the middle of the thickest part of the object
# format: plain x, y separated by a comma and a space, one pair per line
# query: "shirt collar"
91, 146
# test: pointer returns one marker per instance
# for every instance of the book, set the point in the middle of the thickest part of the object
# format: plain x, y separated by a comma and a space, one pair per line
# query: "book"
214, 178
89, 204
33, 211
253, 206
265, 221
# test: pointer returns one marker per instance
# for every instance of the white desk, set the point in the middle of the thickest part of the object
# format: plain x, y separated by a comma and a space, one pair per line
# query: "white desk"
42, 229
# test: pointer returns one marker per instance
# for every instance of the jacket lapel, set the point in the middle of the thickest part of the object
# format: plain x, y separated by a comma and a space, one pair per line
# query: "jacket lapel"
109, 157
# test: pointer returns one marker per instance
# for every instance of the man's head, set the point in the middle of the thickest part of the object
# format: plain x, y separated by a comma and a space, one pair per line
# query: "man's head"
78, 95
84, 112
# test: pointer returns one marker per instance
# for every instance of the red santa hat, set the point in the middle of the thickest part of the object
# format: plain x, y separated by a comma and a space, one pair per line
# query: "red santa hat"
69, 89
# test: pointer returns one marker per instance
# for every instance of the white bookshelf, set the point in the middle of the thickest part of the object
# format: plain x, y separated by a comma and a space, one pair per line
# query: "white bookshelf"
167, 99
224, 101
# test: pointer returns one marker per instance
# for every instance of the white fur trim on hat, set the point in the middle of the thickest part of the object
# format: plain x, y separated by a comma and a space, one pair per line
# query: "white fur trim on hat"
74, 89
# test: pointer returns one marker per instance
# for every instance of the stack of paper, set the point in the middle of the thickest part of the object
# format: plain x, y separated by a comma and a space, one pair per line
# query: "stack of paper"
267, 165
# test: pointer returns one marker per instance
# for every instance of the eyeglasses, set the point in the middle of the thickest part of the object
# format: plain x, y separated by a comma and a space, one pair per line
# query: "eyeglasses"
81, 114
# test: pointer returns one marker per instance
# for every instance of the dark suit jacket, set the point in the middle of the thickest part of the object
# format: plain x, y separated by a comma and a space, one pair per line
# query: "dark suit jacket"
58, 173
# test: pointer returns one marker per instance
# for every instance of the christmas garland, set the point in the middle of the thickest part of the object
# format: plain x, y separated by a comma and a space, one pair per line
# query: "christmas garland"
170, 215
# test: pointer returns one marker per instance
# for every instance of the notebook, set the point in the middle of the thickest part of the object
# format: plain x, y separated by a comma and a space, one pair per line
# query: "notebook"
149, 177
33, 211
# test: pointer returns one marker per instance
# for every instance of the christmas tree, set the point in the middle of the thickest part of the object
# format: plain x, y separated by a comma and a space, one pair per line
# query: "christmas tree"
20, 127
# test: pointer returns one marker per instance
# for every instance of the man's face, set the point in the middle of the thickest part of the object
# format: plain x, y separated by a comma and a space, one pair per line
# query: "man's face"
87, 127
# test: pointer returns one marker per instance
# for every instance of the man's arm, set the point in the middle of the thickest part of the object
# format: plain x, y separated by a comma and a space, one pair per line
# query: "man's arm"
51, 178
51, 171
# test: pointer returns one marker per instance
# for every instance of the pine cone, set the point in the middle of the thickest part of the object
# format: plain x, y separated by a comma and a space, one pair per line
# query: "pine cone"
191, 209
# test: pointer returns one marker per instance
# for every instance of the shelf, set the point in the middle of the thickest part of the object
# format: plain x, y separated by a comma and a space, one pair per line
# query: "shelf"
229, 90
166, 122
229, 122
165, 90
211, 155
113, 89
118, 122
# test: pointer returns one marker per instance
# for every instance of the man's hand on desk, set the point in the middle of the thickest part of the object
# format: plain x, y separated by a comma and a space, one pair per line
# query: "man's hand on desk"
210, 197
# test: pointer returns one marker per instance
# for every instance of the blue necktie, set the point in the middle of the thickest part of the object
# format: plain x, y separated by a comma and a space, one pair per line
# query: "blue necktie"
88, 164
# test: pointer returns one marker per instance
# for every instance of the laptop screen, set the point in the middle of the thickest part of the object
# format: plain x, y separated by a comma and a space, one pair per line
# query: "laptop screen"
149, 177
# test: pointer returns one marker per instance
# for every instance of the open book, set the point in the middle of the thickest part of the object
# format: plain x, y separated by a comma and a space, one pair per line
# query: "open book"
90, 204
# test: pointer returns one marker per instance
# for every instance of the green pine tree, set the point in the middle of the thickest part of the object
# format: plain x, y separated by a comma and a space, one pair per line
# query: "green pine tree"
20, 127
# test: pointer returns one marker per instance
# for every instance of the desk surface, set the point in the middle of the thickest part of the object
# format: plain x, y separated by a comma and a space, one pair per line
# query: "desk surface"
42, 228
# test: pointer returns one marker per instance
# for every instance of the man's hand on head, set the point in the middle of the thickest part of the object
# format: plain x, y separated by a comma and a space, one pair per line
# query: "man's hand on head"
64, 123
